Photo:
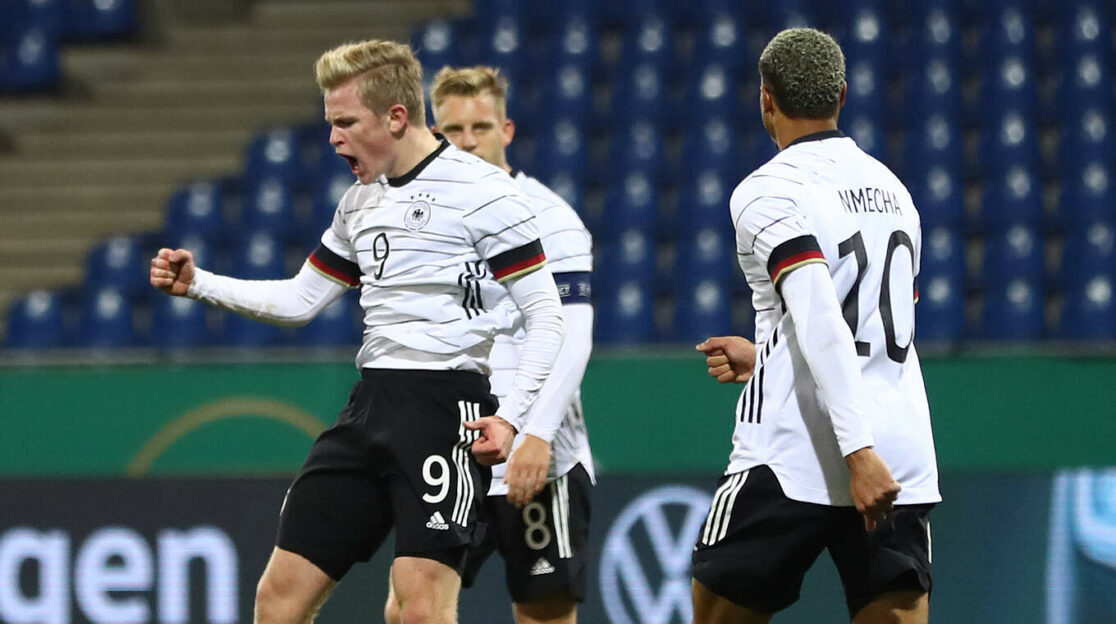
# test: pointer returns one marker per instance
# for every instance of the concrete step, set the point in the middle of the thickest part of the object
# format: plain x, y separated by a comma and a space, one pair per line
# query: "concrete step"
299, 37
16, 197
372, 15
210, 92
156, 144
81, 170
95, 225
22, 280
125, 117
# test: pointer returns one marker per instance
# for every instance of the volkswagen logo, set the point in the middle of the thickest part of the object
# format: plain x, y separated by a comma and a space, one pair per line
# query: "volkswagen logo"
645, 561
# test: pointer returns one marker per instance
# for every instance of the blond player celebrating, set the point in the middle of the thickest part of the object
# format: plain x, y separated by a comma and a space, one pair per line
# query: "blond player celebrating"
832, 448
541, 531
434, 237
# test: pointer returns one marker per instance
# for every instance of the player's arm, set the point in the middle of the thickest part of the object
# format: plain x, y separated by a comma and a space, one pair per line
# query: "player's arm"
827, 346
290, 302
530, 461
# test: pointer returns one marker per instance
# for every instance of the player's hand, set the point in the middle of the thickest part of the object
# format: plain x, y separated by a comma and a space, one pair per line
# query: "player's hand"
172, 271
873, 488
731, 359
495, 441
527, 468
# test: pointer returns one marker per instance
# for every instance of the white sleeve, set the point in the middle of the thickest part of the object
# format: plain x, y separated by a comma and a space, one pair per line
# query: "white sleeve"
560, 387
827, 345
289, 303
537, 297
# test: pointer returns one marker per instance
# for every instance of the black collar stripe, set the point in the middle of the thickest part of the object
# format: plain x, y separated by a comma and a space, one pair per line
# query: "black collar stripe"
417, 169
817, 136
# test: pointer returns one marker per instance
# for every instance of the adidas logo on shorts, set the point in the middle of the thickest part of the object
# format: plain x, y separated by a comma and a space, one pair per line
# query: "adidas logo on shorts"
542, 566
436, 521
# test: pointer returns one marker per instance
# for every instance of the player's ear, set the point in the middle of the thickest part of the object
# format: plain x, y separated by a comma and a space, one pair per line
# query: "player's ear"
767, 101
509, 131
397, 118
844, 93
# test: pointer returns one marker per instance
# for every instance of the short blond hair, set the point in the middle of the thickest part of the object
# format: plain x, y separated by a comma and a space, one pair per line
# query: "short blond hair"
470, 82
389, 75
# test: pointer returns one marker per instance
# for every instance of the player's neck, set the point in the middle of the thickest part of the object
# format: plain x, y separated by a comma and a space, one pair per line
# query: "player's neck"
788, 130
415, 145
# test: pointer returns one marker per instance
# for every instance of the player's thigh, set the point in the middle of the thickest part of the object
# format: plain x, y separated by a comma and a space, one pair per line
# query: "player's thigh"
709, 608
892, 561
435, 484
909, 607
425, 589
337, 511
756, 544
544, 543
292, 588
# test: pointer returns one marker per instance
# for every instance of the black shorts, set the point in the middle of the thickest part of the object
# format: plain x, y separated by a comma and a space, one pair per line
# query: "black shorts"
543, 544
398, 457
757, 544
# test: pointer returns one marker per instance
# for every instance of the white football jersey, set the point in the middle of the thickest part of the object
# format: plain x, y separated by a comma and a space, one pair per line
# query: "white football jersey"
822, 199
569, 250
427, 250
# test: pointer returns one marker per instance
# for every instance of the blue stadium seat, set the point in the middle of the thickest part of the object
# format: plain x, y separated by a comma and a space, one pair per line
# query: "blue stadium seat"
35, 322
569, 187
1008, 84
933, 87
943, 253
1088, 251
87, 20
936, 28
327, 193
867, 93
268, 206
940, 312
260, 256
562, 147
44, 15
1014, 310
629, 256
1014, 196
274, 154
1006, 30
640, 93
1087, 195
791, 14
1016, 252
935, 142
335, 326
574, 40
862, 31
649, 38
568, 96
1085, 83
1089, 310
713, 145
938, 193
1007, 141
240, 331
29, 62
625, 314
632, 202
1083, 28
758, 149
502, 43
718, 39
195, 209
118, 263
179, 323
637, 146
868, 132
106, 319
1084, 139
710, 93
702, 308
703, 201
440, 42
706, 253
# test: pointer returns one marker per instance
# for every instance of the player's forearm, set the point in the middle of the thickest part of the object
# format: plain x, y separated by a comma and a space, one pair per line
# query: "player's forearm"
537, 298
289, 303
827, 345
561, 385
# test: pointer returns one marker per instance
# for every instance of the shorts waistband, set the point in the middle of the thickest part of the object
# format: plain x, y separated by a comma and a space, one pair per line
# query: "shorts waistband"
418, 375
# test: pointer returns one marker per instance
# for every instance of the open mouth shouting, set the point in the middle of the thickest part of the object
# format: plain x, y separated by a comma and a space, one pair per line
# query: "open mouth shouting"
354, 164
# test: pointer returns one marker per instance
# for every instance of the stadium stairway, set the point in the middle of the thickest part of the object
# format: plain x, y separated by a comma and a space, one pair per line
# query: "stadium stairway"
137, 120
